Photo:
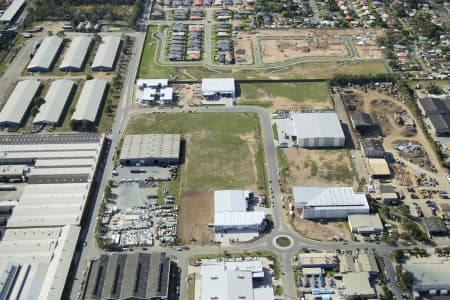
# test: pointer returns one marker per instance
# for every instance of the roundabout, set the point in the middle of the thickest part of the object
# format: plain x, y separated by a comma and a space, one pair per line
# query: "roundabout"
283, 242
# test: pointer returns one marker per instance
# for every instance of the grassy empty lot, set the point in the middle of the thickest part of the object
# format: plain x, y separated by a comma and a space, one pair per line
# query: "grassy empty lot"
295, 91
222, 149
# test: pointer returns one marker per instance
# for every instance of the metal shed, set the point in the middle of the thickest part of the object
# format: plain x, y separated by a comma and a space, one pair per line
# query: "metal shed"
90, 100
46, 54
12, 11
75, 57
106, 55
18, 103
55, 101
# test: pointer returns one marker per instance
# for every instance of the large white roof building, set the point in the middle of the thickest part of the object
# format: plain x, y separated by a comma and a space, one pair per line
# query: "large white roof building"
45, 56
75, 56
431, 274
311, 130
216, 88
230, 212
107, 53
35, 262
90, 100
56, 100
233, 281
329, 202
11, 12
18, 103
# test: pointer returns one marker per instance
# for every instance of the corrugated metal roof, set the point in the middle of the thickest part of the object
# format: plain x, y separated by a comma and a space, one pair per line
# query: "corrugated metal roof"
90, 99
230, 200
237, 218
106, 53
55, 101
19, 101
12, 10
217, 85
76, 55
328, 197
46, 54
317, 125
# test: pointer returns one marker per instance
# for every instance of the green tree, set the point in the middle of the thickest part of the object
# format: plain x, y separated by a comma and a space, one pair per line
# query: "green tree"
434, 89
407, 279
399, 255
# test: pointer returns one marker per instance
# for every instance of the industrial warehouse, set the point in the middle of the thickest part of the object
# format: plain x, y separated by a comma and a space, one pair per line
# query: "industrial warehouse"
232, 218
52, 176
18, 104
431, 276
34, 262
437, 113
75, 58
150, 149
215, 89
90, 100
310, 130
107, 53
56, 100
132, 276
13, 11
235, 280
329, 202
46, 54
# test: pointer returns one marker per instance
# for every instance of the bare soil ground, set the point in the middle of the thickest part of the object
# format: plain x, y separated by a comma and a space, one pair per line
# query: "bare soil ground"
105, 76
316, 230
369, 49
196, 212
243, 52
382, 113
319, 167
282, 103
273, 51
52, 26
312, 32
187, 94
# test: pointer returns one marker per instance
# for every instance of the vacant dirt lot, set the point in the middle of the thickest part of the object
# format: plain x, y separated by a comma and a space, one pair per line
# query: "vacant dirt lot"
281, 50
243, 52
319, 167
369, 49
311, 32
196, 212
316, 230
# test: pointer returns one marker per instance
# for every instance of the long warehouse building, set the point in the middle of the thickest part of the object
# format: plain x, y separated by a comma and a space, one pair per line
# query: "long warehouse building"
35, 262
12, 11
46, 54
90, 100
106, 56
75, 58
18, 103
55, 102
